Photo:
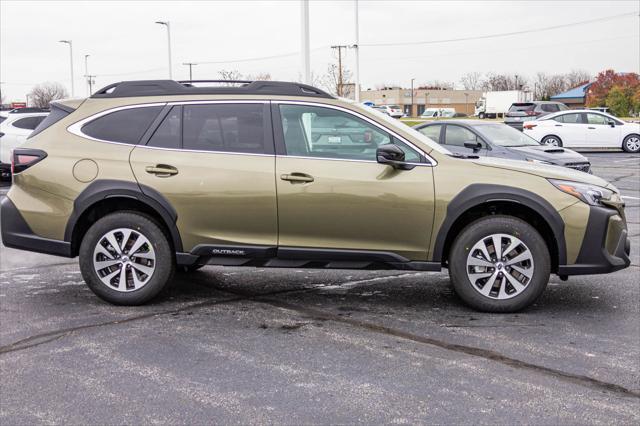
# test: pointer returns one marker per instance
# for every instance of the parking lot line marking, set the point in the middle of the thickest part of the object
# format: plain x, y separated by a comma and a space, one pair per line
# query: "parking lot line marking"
628, 197
625, 160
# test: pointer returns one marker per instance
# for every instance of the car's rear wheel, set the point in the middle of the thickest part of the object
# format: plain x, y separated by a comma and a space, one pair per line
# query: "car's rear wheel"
499, 264
126, 259
551, 140
631, 143
481, 116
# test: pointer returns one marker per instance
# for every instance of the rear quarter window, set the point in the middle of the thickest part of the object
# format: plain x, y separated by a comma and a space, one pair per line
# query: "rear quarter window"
124, 126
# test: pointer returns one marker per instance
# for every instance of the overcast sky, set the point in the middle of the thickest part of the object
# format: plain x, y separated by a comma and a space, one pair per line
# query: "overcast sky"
125, 43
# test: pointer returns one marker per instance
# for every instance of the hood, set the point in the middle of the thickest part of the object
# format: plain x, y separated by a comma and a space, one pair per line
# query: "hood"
552, 154
543, 170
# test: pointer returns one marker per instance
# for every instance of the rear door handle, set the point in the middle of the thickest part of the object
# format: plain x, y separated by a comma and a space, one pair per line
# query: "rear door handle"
162, 170
558, 125
592, 128
297, 177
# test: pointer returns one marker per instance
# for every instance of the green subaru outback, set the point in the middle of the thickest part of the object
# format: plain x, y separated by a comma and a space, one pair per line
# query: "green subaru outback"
145, 178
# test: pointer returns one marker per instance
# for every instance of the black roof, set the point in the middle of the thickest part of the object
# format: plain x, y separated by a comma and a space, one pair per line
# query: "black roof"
233, 87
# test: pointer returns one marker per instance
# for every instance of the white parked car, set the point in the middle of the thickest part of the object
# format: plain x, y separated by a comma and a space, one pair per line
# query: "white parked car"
391, 110
585, 129
438, 112
14, 130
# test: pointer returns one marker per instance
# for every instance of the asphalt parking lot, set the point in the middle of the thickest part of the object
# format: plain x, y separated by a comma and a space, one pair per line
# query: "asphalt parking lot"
231, 345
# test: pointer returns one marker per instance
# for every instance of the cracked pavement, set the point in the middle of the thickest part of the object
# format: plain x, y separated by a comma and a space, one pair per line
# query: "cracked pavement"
234, 345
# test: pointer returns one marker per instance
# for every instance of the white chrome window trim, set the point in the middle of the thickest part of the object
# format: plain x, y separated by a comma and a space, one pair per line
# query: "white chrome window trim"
76, 128
431, 160
203, 151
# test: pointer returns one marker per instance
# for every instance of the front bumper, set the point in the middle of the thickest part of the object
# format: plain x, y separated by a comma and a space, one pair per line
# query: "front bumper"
606, 245
5, 170
17, 234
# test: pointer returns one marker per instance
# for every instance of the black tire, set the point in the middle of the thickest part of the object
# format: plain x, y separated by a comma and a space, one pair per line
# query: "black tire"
164, 258
188, 269
481, 116
546, 140
481, 229
631, 148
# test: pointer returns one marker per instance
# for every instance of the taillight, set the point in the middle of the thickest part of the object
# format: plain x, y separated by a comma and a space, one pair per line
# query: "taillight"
22, 159
529, 126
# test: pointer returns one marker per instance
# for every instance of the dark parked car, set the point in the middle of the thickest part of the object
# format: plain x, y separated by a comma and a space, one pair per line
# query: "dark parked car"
499, 140
525, 111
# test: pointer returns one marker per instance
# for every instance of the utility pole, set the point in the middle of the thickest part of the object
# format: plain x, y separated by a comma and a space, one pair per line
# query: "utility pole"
356, 46
190, 65
304, 40
91, 80
166, 24
412, 97
340, 82
70, 43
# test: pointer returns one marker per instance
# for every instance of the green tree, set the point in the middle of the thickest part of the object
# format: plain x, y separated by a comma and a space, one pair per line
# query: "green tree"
619, 101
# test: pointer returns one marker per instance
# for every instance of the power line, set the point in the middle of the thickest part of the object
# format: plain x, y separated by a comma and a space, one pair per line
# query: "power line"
483, 37
259, 58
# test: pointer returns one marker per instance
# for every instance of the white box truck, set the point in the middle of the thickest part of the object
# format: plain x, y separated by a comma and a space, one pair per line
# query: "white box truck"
495, 104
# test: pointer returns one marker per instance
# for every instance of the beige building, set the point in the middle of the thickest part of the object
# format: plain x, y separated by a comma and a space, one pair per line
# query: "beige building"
463, 101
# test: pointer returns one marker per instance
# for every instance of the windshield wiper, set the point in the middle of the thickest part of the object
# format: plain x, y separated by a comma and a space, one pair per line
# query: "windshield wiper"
464, 156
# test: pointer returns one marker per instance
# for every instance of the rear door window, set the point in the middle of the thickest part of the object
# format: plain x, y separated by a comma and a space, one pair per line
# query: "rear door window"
549, 107
226, 128
124, 126
569, 118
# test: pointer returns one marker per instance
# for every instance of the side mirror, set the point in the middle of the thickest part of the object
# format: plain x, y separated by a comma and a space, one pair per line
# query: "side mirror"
393, 156
474, 145
611, 123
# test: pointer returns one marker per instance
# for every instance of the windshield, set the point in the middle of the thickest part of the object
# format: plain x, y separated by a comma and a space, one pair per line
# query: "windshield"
394, 107
503, 135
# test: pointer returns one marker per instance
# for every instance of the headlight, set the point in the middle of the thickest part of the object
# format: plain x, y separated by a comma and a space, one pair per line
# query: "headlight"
533, 160
590, 194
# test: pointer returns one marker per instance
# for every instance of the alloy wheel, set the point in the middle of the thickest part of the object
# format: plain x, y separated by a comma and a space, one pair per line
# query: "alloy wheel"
124, 259
551, 141
500, 266
633, 143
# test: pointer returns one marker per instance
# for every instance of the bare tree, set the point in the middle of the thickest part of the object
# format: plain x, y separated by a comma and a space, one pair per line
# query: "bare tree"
577, 77
230, 75
472, 81
331, 80
498, 82
43, 94
261, 76
436, 85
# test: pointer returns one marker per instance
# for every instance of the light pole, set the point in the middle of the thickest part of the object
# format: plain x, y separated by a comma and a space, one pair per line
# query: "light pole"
70, 43
166, 24
86, 74
190, 64
304, 41
356, 46
412, 96
516, 81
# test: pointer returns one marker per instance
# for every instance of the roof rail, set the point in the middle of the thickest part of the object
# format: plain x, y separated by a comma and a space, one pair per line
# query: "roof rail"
234, 87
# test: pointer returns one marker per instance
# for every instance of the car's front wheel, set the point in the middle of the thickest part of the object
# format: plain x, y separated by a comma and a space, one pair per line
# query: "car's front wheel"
631, 143
551, 140
126, 259
499, 264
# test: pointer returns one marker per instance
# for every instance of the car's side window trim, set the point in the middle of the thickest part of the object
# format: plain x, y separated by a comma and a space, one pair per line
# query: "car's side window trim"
76, 128
281, 148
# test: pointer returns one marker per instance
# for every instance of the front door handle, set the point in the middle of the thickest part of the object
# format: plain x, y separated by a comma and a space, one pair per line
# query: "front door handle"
591, 128
297, 177
558, 125
162, 170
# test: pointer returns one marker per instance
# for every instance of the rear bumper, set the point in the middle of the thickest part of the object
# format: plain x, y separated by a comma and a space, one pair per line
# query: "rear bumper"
606, 245
17, 234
